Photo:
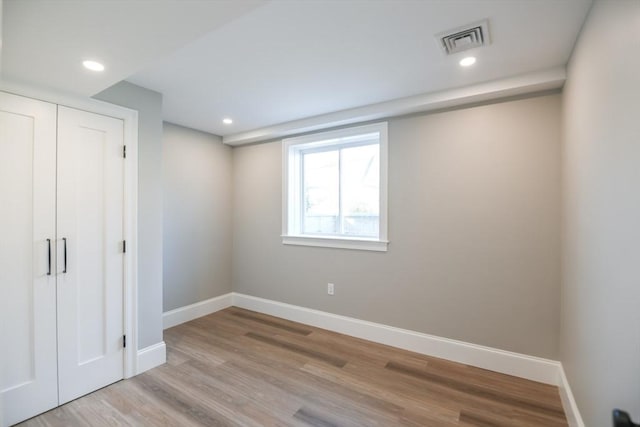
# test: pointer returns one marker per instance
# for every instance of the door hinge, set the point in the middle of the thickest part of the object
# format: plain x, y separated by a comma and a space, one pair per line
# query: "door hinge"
124, 246
124, 341
124, 151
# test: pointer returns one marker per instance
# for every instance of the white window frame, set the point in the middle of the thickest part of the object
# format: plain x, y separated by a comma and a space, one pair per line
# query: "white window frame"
292, 149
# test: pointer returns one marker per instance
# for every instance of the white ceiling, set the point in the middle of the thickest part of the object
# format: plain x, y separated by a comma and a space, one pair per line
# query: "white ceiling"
45, 41
265, 63
294, 59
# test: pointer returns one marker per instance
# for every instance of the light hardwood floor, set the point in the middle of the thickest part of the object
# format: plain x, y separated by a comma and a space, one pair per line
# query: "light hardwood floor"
240, 368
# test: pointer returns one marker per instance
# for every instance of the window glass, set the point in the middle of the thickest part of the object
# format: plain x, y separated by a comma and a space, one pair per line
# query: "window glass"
335, 188
321, 193
361, 190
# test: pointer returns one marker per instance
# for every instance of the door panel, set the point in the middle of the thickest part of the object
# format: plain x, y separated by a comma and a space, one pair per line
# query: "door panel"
28, 368
90, 230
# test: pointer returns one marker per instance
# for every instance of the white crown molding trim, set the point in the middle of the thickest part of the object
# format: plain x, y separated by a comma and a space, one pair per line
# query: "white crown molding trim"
152, 356
513, 86
189, 312
568, 401
506, 362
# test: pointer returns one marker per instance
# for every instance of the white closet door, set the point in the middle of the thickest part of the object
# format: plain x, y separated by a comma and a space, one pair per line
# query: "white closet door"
90, 229
28, 365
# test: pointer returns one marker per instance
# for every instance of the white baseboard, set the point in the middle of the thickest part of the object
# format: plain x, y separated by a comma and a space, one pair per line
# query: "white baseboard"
506, 362
152, 356
184, 314
568, 402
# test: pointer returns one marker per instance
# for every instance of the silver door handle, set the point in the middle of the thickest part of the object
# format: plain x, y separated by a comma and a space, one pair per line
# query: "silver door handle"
64, 239
49, 257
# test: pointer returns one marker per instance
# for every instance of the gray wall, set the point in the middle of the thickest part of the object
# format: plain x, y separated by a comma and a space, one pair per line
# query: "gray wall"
600, 338
197, 216
149, 106
474, 208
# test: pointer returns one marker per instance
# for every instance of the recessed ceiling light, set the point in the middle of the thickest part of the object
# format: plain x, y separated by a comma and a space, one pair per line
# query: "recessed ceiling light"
469, 60
227, 121
93, 65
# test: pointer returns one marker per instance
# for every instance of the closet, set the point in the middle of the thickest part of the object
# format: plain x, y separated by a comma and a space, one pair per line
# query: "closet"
61, 254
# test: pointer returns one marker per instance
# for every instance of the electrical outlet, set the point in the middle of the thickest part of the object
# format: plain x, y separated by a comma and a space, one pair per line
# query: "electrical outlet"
330, 290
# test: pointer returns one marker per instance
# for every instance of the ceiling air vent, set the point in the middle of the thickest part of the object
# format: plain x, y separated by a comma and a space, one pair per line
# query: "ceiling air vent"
464, 38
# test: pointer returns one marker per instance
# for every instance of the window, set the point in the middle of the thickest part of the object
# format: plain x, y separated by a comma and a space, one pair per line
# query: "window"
335, 189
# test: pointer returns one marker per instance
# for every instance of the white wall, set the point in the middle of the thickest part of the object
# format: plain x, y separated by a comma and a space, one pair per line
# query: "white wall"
474, 225
600, 337
197, 216
1, 37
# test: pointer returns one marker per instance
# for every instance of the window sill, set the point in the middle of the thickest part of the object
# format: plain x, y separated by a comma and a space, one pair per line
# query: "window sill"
337, 242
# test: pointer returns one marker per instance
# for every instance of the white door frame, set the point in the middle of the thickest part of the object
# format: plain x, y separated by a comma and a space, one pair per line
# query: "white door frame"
130, 118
